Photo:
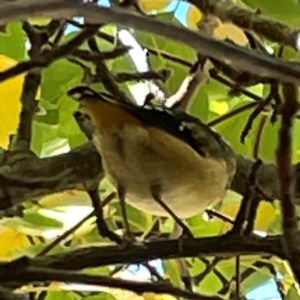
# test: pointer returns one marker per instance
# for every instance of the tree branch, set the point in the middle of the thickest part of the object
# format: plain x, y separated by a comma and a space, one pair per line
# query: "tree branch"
88, 166
223, 246
35, 171
238, 57
47, 57
34, 274
6, 294
284, 162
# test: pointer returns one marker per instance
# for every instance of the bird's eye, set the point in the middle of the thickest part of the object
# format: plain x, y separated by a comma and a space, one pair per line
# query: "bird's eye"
76, 96
182, 127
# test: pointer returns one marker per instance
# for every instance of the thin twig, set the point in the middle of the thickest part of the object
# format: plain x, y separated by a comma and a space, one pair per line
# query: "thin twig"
162, 75
258, 110
180, 101
210, 267
47, 57
258, 136
232, 114
105, 75
60, 33
238, 277
212, 73
214, 213
105, 55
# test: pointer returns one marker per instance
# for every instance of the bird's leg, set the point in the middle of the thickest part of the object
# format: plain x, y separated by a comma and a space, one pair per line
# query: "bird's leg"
155, 190
121, 195
101, 224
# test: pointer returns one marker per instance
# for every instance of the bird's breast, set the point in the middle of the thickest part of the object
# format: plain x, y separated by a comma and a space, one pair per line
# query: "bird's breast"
136, 157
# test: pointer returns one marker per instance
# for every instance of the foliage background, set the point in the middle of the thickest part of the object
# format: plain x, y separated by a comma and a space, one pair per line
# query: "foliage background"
55, 131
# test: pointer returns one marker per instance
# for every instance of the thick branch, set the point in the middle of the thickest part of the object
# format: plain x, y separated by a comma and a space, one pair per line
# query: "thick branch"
239, 57
88, 167
225, 246
32, 275
6, 294
80, 165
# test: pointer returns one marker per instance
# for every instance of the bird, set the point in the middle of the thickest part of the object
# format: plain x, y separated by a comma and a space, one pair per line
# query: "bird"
160, 162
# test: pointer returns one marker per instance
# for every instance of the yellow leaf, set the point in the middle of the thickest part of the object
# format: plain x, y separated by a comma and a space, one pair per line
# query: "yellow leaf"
232, 32
265, 214
11, 240
223, 31
39, 20
149, 5
10, 105
218, 107
10, 92
193, 16
152, 296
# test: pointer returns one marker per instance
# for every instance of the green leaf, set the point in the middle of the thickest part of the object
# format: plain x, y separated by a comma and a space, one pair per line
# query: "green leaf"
101, 296
200, 104
34, 250
257, 278
210, 284
164, 45
37, 219
202, 227
167, 225
98, 270
269, 140
37, 138
90, 237
65, 295
45, 141
56, 78
55, 147
296, 141
137, 218
124, 64
51, 113
28, 227
176, 79
238, 123
168, 17
293, 294
68, 127
286, 11
171, 267
217, 90
12, 43
104, 45
227, 267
